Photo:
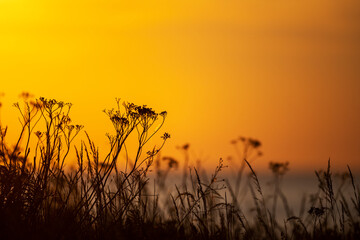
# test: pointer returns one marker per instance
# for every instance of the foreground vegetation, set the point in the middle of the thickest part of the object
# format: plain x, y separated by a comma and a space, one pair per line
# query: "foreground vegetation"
115, 197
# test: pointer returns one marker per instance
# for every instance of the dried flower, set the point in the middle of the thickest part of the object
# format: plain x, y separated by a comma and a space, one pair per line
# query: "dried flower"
254, 143
279, 168
165, 136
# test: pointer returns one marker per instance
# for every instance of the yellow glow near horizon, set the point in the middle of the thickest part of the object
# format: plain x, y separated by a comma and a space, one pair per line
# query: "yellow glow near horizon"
285, 72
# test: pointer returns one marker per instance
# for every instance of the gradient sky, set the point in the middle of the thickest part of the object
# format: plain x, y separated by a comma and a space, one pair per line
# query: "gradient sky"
283, 71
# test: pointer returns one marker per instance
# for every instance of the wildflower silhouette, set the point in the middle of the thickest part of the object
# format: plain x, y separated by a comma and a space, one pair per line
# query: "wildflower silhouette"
107, 195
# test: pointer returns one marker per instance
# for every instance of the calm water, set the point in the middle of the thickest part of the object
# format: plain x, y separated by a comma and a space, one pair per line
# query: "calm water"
297, 189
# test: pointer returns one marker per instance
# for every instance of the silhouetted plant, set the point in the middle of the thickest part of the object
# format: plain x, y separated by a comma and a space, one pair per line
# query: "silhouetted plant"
109, 196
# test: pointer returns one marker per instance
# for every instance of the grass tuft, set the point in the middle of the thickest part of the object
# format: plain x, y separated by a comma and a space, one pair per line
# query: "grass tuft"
114, 197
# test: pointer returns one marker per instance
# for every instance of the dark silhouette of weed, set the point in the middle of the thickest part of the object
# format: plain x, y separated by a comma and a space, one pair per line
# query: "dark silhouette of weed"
109, 196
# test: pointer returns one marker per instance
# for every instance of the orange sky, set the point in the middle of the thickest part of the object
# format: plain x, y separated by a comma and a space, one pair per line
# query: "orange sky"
283, 71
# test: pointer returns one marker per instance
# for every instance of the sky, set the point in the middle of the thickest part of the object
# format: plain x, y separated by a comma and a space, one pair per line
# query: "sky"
285, 72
